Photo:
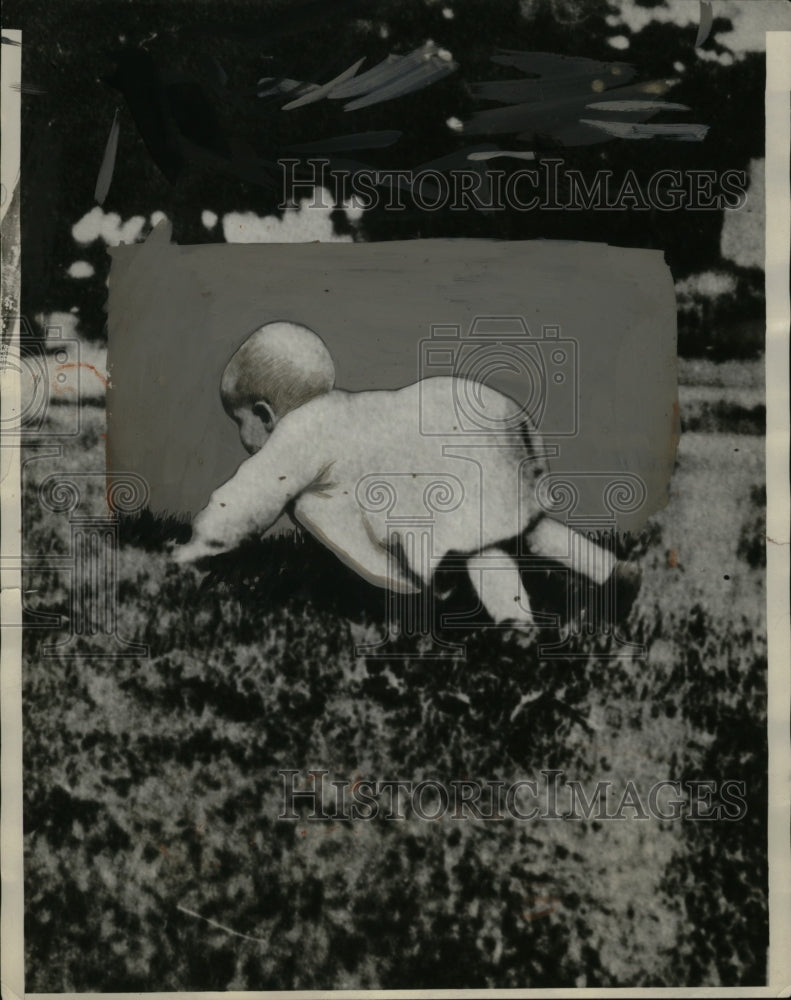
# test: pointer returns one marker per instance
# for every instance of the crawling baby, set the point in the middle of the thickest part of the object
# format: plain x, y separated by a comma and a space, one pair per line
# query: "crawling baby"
354, 469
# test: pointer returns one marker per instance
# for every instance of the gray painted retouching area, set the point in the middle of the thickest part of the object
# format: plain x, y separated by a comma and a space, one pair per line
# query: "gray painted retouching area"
604, 395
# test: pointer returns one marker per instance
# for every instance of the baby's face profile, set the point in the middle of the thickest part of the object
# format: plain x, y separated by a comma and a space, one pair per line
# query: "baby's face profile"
255, 424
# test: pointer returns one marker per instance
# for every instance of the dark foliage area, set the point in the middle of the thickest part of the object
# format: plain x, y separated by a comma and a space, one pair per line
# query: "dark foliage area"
203, 63
734, 665
726, 418
730, 326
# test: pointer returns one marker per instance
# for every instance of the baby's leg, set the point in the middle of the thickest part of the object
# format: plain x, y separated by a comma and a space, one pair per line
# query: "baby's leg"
554, 540
499, 587
618, 582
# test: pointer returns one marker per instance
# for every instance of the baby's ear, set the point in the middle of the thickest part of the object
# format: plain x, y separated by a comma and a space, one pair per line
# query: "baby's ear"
265, 414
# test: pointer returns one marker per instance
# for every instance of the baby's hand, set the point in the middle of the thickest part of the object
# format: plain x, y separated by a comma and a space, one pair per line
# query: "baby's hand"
195, 551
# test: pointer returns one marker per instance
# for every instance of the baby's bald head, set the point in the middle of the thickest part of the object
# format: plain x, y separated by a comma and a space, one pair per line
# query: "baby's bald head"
278, 368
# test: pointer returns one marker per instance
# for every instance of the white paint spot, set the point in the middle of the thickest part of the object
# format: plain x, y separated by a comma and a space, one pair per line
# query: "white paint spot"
209, 219
455, 123
678, 66
308, 223
353, 208
96, 225
723, 58
751, 19
620, 42
157, 217
706, 284
742, 239
447, 13
444, 55
81, 269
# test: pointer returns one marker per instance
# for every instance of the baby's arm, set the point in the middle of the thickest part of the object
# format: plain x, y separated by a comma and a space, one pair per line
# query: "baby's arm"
255, 496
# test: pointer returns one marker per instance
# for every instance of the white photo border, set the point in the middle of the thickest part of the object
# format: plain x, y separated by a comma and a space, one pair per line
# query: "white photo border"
778, 318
